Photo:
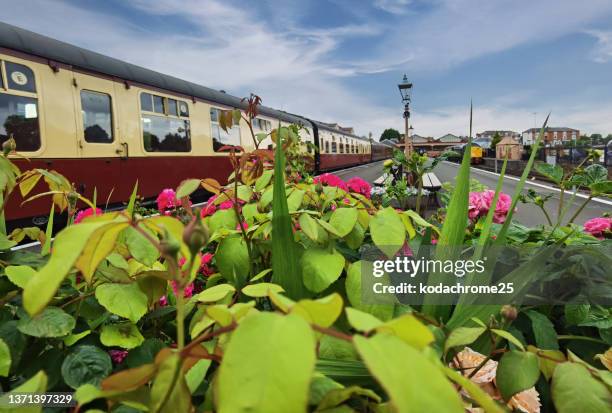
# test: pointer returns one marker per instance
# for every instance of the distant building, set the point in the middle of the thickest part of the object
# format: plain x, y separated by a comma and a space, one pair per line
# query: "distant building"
419, 139
509, 147
553, 136
489, 134
449, 138
484, 142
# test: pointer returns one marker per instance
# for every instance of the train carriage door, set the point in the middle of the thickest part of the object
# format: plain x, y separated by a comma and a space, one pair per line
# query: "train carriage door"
97, 135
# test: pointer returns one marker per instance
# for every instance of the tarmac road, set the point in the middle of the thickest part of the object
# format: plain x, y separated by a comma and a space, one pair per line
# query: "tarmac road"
527, 214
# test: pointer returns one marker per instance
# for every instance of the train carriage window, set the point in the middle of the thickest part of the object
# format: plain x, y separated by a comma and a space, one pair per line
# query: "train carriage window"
19, 119
97, 117
158, 104
219, 136
326, 146
146, 102
334, 147
172, 107
20, 77
164, 134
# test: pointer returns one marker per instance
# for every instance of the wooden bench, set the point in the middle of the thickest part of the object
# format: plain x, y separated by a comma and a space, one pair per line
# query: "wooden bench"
431, 182
382, 180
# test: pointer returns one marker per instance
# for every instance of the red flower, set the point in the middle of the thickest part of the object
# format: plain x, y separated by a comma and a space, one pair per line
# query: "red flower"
330, 180
117, 355
167, 200
84, 213
359, 186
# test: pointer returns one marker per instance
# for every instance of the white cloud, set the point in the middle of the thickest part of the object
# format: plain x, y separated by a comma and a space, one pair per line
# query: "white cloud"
602, 53
392, 6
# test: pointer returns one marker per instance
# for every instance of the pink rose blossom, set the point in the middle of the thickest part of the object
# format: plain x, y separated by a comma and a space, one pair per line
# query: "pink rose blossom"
163, 301
333, 207
84, 213
359, 186
475, 205
167, 200
117, 355
187, 292
244, 225
210, 207
597, 226
330, 180
346, 201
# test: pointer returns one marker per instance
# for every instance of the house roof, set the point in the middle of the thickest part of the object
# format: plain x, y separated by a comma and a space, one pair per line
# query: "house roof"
552, 129
508, 140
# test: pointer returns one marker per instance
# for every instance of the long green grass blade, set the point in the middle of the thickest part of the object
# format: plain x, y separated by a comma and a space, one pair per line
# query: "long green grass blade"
286, 270
453, 229
46, 248
465, 312
132, 203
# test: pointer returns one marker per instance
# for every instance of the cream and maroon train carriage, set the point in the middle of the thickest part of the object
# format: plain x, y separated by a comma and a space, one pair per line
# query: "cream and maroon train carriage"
105, 123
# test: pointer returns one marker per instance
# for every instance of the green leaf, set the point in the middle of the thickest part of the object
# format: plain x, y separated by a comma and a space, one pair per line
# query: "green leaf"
294, 201
517, 371
409, 329
187, 187
543, 330
125, 300
321, 267
277, 379
463, 336
413, 385
121, 335
322, 312
387, 231
354, 292
309, 226
86, 365
223, 218
604, 187
215, 293
20, 275
508, 336
575, 390
552, 172
169, 393
232, 258
361, 321
196, 374
355, 238
140, 248
263, 180
71, 339
67, 248
285, 253
343, 220
36, 384
52, 322
145, 353
576, 313
261, 289
5, 359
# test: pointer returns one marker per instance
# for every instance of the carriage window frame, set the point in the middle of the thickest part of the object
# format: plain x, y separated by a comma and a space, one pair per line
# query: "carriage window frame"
215, 124
180, 115
112, 120
5, 89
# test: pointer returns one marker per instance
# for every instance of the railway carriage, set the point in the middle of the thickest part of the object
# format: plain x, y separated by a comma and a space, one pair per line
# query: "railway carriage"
105, 123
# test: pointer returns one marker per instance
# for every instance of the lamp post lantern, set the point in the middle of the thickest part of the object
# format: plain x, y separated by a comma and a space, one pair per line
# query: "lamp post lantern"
405, 89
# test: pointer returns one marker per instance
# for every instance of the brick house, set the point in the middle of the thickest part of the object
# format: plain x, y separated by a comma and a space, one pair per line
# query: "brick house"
553, 136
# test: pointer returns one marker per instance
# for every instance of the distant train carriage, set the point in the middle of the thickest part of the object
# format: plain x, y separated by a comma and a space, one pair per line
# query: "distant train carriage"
105, 124
476, 153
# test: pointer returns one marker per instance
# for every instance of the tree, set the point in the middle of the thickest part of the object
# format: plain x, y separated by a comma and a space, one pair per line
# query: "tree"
496, 139
390, 134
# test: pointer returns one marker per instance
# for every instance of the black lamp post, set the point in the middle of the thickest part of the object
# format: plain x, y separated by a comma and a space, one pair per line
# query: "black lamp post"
405, 89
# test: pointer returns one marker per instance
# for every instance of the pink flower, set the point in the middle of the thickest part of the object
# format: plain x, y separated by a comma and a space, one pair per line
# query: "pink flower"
359, 186
187, 292
226, 205
210, 207
84, 213
205, 268
480, 203
244, 225
475, 205
333, 207
167, 200
330, 180
597, 226
117, 355
346, 201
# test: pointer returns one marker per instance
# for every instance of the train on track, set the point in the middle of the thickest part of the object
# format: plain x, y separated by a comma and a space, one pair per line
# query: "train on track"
104, 124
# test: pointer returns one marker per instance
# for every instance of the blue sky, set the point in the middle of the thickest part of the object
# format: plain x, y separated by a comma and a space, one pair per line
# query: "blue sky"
340, 60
